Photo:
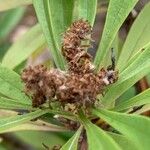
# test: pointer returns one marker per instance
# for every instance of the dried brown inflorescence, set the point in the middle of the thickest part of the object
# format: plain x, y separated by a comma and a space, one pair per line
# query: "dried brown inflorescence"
73, 49
41, 83
79, 86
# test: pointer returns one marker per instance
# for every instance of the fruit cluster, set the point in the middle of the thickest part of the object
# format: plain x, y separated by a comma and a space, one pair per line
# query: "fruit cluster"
80, 84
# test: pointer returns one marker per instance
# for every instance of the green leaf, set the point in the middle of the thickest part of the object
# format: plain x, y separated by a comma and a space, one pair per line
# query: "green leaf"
24, 47
9, 4
137, 38
67, 10
3, 48
85, 9
72, 144
11, 86
53, 24
135, 128
135, 56
128, 94
35, 126
135, 71
7, 123
118, 10
97, 138
10, 76
141, 63
36, 138
140, 99
6, 103
123, 141
9, 20
2, 147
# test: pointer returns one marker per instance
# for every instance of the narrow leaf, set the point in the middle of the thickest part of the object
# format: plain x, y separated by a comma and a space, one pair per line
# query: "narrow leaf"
137, 38
9, 20
123, 141
118, 10
9, 4
53, 24
136, 128
135, 56
35, 126
11, 86
72, 144
7, 123
85, 9
10, 76
36, 138
138, 65
6, 103
140, 99
135, 71
24, 47
97, 138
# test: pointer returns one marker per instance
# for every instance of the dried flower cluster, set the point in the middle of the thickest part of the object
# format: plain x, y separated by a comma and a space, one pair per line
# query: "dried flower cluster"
73, 49
79, 86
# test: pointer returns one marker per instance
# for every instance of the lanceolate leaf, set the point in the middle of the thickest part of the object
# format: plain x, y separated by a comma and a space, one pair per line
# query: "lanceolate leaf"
118, 10
117, 89
36, 138
67, 9
6, 103
53, 24
85, 9
97, 138
24, 47
140, 99
141, 63
137, 38
72, 144
9, 20
10, 76
35, 126
135, 71
7, 123
135, 56
11, 86
8, 4
123, 141
136, 128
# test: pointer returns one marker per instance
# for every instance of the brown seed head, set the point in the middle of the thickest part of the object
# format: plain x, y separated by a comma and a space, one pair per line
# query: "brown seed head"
80, 85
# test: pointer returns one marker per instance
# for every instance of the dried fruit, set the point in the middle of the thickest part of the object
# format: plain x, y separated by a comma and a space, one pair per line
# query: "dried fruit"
79, 86
73, 49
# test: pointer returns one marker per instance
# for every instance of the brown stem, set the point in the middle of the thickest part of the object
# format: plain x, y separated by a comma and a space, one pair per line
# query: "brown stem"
83, 145
141, 86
